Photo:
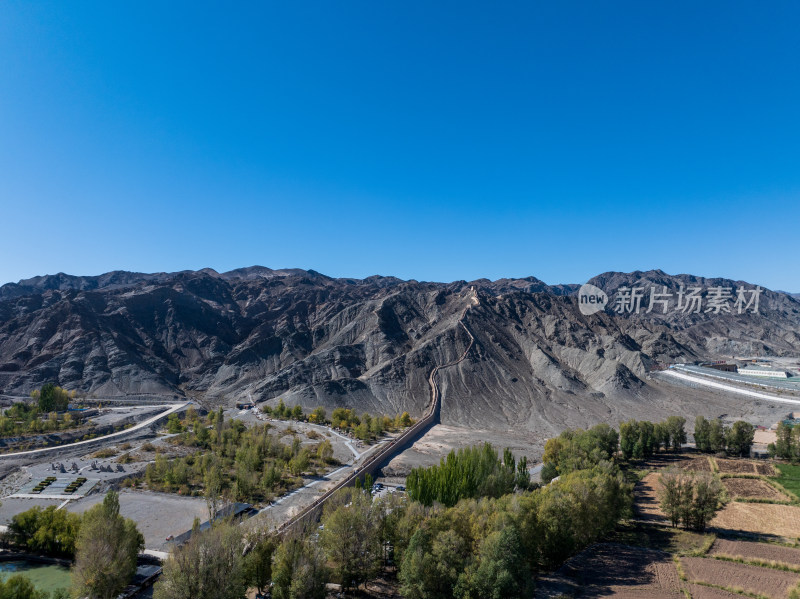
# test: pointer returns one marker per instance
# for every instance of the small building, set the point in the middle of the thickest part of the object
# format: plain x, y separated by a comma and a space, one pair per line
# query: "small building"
764, 372
722, 366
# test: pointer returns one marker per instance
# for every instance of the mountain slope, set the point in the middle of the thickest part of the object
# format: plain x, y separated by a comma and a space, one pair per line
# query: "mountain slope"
368, 344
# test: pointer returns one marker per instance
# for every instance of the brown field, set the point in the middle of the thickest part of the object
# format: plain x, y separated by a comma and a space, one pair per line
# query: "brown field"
753, 579
752, 488
646, 493
745, 467
762, 518
748, 550
765, 469
613, 570
699, 591
698, 464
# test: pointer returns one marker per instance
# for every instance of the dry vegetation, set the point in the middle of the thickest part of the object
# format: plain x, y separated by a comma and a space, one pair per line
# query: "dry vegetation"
614, 570
696, 464
776, 520
753, 488
744, 467
751, 579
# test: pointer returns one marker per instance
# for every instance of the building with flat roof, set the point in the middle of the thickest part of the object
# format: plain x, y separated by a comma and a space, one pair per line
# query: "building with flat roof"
764, 371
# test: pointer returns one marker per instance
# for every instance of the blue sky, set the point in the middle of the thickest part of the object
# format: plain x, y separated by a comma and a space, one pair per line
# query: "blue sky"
427, 140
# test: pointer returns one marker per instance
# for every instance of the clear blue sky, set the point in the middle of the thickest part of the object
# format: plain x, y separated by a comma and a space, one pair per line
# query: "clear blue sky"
427, 140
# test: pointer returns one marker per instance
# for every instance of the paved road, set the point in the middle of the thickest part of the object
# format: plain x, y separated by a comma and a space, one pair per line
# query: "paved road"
127, 431
705, 382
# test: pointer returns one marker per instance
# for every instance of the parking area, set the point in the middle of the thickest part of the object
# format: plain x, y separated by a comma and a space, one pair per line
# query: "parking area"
157, 515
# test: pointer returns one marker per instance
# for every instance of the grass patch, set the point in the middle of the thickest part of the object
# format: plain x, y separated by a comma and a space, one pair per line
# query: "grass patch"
762, 500
679, 567
754, 561
788, 480
106, 452
736, 590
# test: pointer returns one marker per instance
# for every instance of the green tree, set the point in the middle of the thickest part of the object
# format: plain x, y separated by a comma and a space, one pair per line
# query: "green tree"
317, 416
661, 435
677, 431
174, 424
20, 587
702, 434
325, 451
209, 566
470, 472
628, 436
740, 438
716, 436
675, 495
499, 572
404, 420
297, 413
106, 551
706, 500
258, 563
351, 540
783, 446
51, 398
299, 570
431, 565
691, 499
45, 530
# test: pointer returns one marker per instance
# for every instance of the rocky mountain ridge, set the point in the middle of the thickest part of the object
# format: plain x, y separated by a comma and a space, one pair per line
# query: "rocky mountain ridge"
366, 343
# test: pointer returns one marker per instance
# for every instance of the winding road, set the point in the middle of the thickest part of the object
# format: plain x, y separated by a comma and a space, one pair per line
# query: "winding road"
152, 420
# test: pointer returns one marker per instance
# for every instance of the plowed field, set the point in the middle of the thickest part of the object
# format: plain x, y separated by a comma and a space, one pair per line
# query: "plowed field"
753, 579
756, 551
614, 570
764, 518
752, 488
744, 467
700, 464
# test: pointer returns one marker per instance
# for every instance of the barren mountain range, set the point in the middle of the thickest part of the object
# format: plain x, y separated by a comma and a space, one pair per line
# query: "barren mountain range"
367, 343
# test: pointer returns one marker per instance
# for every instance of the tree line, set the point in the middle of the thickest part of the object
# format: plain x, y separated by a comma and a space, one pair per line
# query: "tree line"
470, 472
712, 437
576, 449
29, 418
366, 427
490, 544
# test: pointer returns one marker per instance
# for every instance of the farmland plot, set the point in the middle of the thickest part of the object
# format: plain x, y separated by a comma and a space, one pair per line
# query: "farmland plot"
753, 579
699, 464
744, 467
752, 551
765, 469
752, 488
614, 570
762, 518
